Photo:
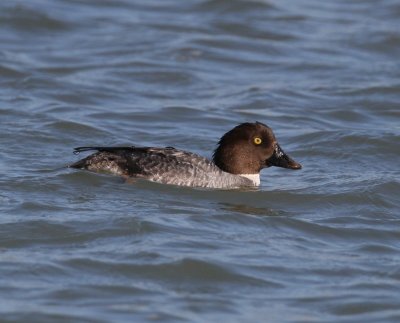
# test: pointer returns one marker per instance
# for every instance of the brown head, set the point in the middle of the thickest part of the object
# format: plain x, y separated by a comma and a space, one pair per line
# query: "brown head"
250, 147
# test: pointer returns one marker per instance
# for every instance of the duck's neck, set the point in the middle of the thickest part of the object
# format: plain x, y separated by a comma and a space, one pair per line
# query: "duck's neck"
255, 178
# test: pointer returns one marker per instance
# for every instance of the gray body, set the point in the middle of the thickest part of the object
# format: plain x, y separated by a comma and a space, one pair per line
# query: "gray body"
163, 165
237, 161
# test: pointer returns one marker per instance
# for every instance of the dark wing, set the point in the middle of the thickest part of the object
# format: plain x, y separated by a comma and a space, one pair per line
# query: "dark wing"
158, 164
78, 150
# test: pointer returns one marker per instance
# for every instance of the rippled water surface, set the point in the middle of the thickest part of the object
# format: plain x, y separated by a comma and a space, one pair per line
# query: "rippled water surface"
317, 245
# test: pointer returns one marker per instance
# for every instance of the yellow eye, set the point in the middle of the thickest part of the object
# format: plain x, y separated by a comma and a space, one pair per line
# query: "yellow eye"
257, 140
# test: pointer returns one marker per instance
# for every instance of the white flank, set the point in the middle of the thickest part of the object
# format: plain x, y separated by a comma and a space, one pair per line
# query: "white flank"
255, 178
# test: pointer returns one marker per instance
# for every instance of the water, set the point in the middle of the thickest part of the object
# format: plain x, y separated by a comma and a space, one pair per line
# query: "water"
317, 245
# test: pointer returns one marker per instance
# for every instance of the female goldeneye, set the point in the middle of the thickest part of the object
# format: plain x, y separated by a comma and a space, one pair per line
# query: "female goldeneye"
240, 155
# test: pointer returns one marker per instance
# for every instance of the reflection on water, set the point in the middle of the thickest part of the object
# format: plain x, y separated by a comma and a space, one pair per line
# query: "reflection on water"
250, 210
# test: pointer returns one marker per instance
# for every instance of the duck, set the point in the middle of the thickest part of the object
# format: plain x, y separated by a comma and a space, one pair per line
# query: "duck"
237, 161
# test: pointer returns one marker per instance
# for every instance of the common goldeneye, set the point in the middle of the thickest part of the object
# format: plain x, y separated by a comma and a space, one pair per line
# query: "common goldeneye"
237, 161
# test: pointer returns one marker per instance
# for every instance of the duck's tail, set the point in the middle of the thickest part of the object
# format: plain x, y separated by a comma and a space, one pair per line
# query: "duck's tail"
106, 159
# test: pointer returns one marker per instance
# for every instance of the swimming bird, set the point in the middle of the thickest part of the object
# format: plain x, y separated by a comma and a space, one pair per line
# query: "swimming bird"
240, 155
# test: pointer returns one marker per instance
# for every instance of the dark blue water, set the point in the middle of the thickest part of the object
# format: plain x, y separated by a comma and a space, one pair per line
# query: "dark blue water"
317, 245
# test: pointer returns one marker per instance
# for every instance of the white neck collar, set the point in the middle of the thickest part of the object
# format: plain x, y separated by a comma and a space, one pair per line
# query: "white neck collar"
255, 178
